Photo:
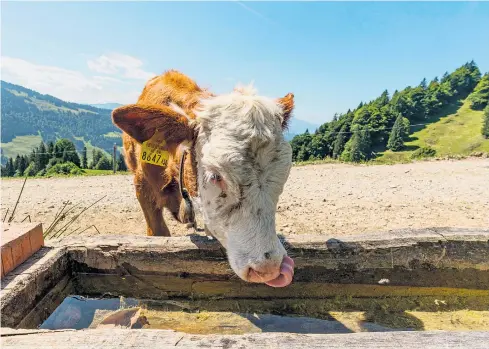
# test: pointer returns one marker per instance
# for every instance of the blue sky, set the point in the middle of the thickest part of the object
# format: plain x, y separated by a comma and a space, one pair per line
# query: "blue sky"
331, 55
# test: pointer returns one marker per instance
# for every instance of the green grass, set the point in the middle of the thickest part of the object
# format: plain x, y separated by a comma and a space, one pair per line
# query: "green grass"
45, 105
316, 162
87, 172
457, 134
90, 148
113, 135
21, 145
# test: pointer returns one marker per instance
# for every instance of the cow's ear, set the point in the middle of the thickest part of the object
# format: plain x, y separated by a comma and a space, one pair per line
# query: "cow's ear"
287, 104
141, 122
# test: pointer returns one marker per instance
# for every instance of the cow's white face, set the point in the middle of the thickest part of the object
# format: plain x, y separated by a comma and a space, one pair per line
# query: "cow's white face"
243, 163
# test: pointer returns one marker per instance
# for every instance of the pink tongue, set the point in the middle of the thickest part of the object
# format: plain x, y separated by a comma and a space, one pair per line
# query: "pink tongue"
286, 273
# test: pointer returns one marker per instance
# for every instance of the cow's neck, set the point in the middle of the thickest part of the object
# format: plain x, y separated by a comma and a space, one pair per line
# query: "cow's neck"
188, 172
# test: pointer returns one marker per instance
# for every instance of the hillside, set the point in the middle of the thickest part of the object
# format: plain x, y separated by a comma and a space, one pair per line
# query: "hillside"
110, 106
453, 134
439, 118
28, 117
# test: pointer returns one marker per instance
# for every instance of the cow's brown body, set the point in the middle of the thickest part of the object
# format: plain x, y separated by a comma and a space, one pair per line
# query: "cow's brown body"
157, 187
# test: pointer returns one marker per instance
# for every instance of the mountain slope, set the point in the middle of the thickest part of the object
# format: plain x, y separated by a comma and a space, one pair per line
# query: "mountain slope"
455, 133
28, 115
110, 106
367, 131
298, 126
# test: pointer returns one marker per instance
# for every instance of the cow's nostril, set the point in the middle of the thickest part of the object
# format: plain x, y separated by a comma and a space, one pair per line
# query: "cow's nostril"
267, 255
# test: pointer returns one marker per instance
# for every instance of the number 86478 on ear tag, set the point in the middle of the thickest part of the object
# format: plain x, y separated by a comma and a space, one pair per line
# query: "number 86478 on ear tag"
153, 152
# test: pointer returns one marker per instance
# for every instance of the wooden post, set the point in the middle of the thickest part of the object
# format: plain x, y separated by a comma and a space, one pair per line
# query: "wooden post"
113, 158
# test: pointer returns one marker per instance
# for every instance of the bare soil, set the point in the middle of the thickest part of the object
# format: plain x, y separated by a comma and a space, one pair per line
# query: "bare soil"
333, 199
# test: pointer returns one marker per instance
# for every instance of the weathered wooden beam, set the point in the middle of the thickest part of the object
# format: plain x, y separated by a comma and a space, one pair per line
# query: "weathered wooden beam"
19, 242
121, 339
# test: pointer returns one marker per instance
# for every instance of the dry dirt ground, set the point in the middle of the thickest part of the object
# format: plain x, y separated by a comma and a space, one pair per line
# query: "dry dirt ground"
333, 199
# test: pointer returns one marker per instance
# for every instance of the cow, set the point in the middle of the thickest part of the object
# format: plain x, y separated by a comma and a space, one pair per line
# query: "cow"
224, 154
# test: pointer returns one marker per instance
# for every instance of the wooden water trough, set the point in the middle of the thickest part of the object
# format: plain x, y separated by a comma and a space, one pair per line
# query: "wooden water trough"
432, 270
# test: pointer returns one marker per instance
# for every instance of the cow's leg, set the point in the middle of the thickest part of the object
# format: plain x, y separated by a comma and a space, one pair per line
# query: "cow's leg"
153, 214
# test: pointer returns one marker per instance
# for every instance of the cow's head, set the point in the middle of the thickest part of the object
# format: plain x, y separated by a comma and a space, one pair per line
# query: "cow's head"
243, 162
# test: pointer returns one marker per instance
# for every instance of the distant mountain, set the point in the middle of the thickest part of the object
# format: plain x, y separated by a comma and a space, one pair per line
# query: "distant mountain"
29, 115
110, 106
298, 126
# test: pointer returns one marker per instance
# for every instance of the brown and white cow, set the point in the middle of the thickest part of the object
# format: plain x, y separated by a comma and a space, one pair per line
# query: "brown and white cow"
236, 168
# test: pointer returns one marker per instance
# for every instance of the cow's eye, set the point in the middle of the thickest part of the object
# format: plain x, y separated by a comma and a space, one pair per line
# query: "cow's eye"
215, 178
218, 181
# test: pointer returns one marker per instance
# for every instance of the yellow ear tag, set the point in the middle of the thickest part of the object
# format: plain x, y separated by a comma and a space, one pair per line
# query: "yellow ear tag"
153, 152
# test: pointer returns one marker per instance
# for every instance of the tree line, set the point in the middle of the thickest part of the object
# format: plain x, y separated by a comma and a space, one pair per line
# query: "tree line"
58, 157
386, 122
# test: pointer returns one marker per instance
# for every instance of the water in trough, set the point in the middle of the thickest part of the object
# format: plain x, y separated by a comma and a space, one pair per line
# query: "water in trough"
77, 312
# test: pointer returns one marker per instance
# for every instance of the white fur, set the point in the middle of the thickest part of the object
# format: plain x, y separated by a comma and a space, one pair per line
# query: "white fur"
240, 137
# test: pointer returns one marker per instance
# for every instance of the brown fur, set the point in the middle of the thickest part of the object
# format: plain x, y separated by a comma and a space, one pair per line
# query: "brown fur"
157, 187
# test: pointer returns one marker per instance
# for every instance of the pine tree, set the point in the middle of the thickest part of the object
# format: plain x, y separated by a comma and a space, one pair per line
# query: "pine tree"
360, 144
303, 154
56, 151
103, 163
43, 156
355, 148
22, 164
35, 160
383, 99
67, 151
445, 77
11, 168
365, 143
339, 143
485, 123
51, 149
84, 158
96, 156
64, 157
396, 141
121, 164
17, 162
6, 169
423, 84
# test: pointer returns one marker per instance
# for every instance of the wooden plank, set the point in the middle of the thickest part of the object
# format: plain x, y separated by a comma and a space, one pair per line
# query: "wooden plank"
19, 242
7, 260
30, 282
146, 338
421, 259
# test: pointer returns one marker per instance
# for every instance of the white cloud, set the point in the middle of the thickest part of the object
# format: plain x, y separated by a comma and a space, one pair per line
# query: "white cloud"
70, 85
119, 64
